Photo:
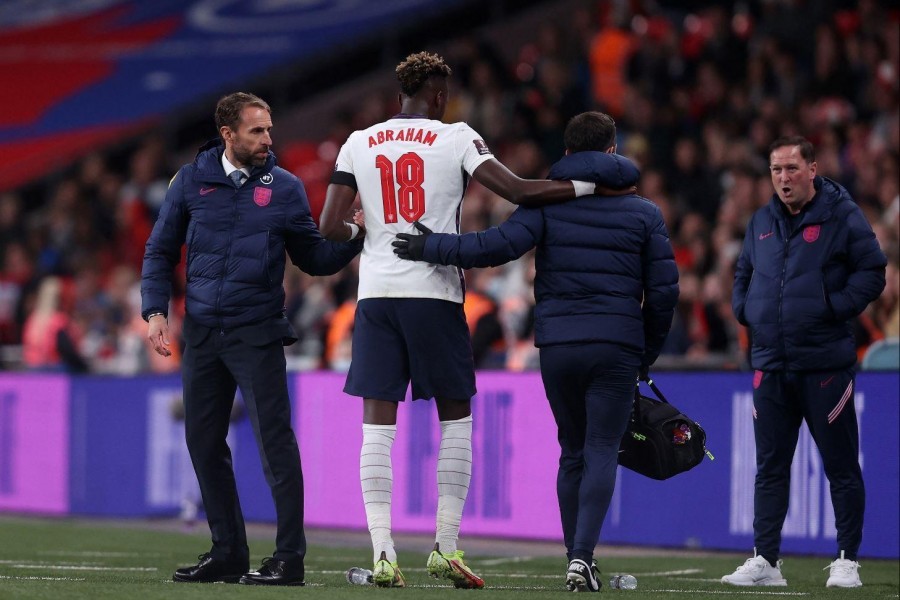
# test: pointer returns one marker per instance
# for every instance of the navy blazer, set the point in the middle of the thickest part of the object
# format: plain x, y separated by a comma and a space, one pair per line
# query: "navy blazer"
798, 290
605, 268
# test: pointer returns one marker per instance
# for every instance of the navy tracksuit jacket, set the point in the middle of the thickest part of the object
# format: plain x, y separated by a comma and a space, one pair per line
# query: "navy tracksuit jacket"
605, 289
798, 284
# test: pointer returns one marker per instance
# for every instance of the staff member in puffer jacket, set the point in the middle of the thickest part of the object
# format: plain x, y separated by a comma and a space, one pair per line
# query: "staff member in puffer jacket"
238, 214
606, 289
809, 265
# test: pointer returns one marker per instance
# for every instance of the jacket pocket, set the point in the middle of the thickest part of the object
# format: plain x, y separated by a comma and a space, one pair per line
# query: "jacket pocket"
829, 311
761, 301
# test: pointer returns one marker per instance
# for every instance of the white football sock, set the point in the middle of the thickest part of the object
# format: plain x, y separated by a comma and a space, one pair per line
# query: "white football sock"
454, 472
376, 477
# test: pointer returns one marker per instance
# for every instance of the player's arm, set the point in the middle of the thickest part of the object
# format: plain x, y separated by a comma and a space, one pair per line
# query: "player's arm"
495, 176
339, 197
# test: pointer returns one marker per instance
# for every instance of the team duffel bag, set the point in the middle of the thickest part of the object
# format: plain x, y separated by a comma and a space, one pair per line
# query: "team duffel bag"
661, 441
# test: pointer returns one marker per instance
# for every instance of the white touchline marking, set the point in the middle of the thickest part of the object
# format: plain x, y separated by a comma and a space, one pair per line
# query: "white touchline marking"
80, 568
18, 578
529, 588
501, 561
487, 586
669, 573
730, 592
97, 554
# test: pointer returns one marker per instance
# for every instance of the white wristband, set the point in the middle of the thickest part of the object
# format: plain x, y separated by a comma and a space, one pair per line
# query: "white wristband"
354, 230
583, 188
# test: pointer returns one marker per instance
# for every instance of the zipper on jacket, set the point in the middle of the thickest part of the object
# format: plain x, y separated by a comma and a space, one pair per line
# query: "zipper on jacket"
234, 210
784, 259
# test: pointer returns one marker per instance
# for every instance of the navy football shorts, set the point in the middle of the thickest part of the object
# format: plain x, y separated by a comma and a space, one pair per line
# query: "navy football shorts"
423, 340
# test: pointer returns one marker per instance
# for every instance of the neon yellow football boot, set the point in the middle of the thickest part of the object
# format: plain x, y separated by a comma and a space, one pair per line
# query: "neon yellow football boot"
387, 574
452, 567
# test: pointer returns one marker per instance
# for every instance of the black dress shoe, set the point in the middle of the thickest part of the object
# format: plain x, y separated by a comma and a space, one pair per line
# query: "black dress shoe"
276, 572
210, 569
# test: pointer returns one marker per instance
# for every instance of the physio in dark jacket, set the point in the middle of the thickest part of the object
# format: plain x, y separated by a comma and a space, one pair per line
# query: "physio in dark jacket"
606, 289
809, 265
238, 213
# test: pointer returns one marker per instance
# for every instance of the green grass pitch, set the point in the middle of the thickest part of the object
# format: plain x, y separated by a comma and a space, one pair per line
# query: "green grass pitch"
70, 559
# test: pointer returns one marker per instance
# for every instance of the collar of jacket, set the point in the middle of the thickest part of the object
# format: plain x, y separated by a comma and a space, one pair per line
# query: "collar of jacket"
820, 208
208, 164
609, 170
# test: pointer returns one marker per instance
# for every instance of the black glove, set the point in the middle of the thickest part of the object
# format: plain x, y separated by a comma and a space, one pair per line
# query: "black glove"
409, 246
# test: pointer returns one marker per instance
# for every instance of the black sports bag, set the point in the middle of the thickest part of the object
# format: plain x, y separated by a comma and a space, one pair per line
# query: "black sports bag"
661, 441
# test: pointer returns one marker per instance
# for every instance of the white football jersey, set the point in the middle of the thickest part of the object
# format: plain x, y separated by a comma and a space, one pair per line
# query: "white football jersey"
410, 168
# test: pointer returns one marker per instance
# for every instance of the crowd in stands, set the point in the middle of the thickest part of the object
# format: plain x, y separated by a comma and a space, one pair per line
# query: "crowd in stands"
697, 97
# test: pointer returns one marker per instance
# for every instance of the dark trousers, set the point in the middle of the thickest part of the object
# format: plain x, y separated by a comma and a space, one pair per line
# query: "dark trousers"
591, 390
212, 367
781, 401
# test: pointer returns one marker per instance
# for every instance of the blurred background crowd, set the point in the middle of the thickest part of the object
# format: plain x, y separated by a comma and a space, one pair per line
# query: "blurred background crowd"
698, 91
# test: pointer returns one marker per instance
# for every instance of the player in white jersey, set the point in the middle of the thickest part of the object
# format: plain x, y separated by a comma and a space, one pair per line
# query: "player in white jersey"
390, 161
410, 326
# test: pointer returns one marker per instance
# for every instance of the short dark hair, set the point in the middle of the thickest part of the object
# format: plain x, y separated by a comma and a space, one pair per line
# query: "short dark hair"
590, 131
417, 69
229, 108
807, 150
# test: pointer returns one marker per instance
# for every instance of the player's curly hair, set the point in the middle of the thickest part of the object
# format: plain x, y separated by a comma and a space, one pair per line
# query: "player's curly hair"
417, 68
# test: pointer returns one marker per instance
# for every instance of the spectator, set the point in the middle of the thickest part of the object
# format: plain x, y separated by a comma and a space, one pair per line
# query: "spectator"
50, 337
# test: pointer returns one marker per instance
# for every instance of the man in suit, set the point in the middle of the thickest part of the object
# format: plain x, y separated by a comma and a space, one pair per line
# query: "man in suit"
238, 213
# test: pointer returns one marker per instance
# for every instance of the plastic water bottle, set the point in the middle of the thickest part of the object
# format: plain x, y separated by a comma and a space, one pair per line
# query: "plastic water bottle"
359, 576
622, 582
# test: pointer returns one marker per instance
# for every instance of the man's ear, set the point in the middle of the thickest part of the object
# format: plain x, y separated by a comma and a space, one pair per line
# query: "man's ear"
568, 152
611, 149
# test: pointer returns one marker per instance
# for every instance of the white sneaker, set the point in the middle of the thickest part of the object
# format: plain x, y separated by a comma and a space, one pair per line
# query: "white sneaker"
756, 571
844, 573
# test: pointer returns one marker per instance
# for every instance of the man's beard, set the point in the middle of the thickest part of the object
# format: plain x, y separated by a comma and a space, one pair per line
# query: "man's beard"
249, 158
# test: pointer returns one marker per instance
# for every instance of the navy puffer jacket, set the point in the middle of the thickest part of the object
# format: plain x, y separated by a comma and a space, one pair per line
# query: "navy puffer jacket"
798, 291
605, 269
236, 242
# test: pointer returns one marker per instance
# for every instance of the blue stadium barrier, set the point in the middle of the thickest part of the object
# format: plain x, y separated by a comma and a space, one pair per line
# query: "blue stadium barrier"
114, 447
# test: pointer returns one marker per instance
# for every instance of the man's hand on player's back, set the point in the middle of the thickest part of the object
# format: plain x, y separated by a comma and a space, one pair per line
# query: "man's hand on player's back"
409, 246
